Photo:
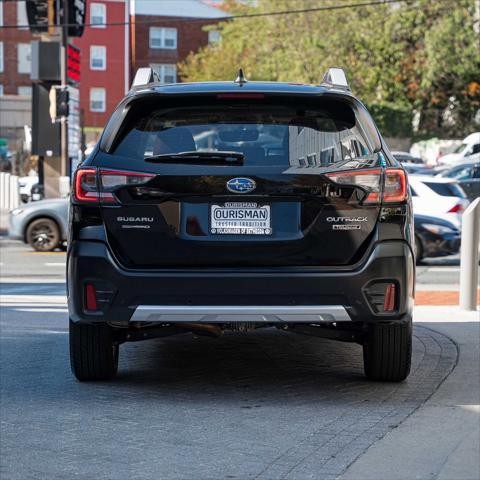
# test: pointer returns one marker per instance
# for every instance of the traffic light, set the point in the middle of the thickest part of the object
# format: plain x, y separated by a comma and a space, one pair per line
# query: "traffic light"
43, 15
39, 14
59, 98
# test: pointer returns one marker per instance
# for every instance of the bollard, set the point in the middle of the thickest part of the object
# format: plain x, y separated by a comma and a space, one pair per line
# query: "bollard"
4, 190
14, 195
469, 256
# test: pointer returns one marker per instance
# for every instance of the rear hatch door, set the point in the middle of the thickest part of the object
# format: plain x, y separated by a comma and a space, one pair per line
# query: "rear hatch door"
222, 183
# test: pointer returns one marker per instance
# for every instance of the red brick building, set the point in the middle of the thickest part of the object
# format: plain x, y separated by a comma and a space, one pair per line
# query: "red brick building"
161, 34
104, 67
15, 50
165, 32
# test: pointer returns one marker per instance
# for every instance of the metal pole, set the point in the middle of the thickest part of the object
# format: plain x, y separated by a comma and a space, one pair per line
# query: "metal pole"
63, 82
126, 71
469, 256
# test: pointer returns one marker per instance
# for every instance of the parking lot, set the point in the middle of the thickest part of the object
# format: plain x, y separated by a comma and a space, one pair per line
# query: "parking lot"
263, 405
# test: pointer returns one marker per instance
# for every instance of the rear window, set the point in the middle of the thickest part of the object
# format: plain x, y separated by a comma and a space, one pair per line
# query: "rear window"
291, 133
446, 189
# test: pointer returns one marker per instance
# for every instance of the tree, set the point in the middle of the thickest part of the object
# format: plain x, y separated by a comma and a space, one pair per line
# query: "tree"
419, 56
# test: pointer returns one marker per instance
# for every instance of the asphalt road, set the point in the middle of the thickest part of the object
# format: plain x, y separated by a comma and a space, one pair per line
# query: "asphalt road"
266, 405
19, 263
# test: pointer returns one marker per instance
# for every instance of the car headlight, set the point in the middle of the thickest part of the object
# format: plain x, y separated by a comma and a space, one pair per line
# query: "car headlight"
438, 229
16, 211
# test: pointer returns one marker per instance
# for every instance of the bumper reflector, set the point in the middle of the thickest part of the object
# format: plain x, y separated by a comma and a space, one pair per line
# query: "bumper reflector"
389, 303
90, 297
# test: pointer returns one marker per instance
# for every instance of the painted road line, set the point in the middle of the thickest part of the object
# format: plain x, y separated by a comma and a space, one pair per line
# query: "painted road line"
53, 278
444, 269
42, 310
55, 264
24, 288
42, 253
33, 299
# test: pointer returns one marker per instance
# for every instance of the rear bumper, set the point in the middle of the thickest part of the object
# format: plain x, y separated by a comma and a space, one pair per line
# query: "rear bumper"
266, 294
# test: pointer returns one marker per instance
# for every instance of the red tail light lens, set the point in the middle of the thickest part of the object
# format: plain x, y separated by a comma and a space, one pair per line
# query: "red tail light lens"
85, 185
368, 179
394, 188
113, 179
457, 208
92, 185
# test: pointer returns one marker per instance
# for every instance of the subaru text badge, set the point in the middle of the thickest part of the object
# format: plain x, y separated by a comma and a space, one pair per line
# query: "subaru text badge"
241, 185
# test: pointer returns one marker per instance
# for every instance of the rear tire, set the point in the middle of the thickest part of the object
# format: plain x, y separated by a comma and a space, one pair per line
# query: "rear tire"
93, 353
387, 352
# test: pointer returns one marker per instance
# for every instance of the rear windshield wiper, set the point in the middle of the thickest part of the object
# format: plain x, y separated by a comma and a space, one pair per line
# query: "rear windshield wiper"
203, 158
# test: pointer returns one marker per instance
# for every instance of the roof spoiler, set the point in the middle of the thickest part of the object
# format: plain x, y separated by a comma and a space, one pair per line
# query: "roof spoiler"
144, 76
336, 78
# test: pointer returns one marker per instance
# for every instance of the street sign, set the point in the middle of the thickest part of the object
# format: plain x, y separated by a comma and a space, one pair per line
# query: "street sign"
73, 65
74, 129
45, 134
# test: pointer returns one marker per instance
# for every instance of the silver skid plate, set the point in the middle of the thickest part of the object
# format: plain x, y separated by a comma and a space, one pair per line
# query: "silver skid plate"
228, 314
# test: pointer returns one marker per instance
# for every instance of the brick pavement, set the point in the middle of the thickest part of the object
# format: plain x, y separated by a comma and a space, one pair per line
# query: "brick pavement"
444, 297
267, 405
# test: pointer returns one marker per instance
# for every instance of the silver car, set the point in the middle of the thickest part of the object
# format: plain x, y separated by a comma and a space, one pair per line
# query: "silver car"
42, 224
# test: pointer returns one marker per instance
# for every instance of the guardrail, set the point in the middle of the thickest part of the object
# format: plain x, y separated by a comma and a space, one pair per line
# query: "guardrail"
9, 192
469, 256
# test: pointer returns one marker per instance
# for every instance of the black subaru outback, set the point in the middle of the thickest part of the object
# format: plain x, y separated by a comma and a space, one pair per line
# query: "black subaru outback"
232, 206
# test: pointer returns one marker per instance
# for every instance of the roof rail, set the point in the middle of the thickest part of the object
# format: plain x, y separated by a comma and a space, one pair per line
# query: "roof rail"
144, 76
336, 78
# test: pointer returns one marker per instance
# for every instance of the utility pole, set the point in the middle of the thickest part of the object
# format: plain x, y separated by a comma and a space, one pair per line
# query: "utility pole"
63, 83
126, 70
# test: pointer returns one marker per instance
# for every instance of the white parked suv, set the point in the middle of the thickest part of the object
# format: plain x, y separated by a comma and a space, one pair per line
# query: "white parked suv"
438, 197
470, 146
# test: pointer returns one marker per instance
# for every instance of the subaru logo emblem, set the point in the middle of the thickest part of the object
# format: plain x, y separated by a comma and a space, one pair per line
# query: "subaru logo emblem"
241, 185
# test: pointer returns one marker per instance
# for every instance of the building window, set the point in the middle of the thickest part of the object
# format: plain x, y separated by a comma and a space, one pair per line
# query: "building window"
1, 90
166, 72
98, 15
98, 57
214, 36
27, 91
1, 14
22, 19
98, 99
163, 38
1, 56
24, 57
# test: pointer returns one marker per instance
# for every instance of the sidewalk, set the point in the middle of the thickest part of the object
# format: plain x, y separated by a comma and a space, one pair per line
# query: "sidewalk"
440, 440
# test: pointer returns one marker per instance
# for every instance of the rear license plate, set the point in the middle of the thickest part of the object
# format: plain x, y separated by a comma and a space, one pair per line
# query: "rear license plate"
236, 218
